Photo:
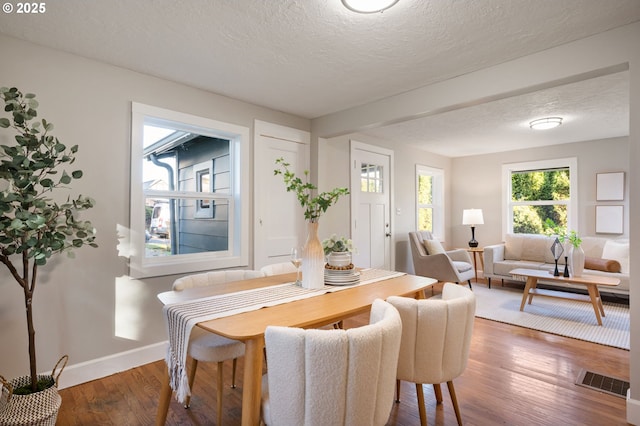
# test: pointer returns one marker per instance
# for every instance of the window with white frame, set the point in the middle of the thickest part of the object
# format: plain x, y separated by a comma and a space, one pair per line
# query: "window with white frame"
189, 193
540, 195
430, 200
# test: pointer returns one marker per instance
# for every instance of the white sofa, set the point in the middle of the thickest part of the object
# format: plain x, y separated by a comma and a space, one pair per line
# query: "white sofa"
534, 252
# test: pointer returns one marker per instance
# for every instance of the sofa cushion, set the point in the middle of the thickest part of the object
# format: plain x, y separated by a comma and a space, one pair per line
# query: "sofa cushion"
513, 247
433, 246
597, 264
506, 266
592, 246
617, 251
528, 247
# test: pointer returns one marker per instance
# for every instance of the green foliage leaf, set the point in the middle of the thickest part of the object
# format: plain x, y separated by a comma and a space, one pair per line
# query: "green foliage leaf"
313, 206
16, 224
65, 179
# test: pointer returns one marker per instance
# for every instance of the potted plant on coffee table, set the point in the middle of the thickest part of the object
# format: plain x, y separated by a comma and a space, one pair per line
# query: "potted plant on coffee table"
33, 227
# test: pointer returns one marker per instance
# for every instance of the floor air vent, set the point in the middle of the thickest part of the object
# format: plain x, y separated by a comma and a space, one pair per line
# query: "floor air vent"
603, 383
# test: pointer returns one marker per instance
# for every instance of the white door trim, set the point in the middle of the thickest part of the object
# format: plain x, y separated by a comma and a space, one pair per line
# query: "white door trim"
353, 146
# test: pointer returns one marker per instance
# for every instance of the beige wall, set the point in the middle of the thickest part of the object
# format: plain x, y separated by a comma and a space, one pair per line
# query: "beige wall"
82, 304
477, 182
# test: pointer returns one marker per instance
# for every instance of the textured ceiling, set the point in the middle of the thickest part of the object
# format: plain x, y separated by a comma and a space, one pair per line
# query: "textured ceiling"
315, 57
592, 109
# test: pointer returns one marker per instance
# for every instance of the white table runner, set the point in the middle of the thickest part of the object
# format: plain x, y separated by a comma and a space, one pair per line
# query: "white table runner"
181, 317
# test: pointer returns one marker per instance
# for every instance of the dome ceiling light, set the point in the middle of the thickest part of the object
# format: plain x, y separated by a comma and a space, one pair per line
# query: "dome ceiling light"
546, 123
368, 6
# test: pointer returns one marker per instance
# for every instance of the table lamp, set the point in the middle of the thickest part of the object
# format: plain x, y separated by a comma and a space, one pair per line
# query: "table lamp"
472, 217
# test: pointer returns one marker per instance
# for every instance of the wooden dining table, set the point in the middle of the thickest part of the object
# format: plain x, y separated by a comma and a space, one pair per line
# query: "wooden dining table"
312, 312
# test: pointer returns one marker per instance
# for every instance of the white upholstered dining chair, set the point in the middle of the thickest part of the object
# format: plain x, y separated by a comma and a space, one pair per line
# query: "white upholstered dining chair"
210, 347
332, 377
278, 268
436, 337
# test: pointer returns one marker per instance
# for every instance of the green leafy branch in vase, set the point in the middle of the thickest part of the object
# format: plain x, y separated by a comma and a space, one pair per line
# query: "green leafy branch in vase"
561, 232
313, 206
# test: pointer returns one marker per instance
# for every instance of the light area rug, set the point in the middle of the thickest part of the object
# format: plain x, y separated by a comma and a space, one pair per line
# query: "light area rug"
568, 318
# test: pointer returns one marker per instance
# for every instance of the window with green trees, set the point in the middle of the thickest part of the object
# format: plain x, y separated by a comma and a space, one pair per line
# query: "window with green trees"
541, 197
430, 214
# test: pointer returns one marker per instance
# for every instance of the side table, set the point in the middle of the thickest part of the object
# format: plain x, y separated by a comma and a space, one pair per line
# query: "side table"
475, 251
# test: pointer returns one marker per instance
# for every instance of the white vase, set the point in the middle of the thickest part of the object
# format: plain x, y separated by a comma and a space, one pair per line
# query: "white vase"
339, 259
312, 259
577, 261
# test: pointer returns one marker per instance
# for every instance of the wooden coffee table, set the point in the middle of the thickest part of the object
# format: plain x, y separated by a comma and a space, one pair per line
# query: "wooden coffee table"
591, 282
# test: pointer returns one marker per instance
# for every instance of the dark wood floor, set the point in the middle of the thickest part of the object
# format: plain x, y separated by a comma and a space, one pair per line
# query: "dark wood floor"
515, 376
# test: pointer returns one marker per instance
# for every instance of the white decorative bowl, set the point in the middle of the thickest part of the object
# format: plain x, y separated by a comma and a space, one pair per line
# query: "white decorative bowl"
339, 258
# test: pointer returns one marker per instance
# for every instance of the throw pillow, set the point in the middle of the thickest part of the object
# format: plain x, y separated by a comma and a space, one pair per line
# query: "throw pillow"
617, 251
433, 247
513, 247
535, 247
597, 264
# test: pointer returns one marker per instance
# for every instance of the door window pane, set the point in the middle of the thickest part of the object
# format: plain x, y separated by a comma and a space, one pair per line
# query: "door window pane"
371, 178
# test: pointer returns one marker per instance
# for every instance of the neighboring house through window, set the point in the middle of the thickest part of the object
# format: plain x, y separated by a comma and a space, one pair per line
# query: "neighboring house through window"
540, 195
186, 171
430, 200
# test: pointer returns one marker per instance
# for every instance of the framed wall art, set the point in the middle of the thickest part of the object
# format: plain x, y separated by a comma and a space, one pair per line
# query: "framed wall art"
609, 219
610, 186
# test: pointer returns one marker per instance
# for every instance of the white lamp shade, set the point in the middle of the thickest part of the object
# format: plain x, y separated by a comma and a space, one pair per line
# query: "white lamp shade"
472, 217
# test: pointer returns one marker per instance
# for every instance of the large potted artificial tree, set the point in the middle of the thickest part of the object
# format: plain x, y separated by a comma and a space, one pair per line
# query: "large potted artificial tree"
34, 226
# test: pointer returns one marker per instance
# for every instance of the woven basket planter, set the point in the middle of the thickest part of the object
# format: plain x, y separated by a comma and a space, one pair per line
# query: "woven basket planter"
36, 409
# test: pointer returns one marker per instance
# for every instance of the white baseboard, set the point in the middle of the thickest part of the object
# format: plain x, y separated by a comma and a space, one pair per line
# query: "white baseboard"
633, 410
106, 366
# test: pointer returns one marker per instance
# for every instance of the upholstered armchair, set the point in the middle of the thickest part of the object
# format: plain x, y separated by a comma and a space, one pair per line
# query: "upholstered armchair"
431, 260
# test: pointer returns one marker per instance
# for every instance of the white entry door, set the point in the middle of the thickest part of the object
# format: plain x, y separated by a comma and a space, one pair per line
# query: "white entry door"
279, 220
371, 205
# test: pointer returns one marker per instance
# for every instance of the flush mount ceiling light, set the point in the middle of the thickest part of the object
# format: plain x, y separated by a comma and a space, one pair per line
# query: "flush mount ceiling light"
368, 6
546, 123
